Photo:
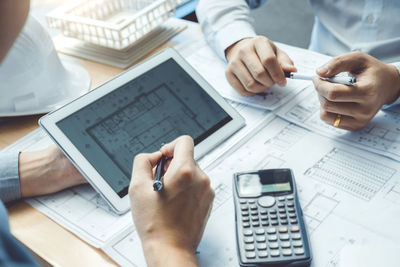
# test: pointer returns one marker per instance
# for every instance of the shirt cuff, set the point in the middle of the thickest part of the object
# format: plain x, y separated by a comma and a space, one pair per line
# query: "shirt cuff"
230, 34
397, 101
9, 177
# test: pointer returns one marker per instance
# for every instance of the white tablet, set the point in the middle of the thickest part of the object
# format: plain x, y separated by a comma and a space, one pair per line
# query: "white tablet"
149, 104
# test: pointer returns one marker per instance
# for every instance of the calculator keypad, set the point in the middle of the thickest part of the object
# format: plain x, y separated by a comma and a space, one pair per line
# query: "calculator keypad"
270, 229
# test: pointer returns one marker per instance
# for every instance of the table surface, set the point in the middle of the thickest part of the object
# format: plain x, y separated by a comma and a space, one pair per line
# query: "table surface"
46, 238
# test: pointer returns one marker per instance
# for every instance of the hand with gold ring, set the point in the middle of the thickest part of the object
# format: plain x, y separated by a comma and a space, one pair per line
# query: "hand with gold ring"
377, 84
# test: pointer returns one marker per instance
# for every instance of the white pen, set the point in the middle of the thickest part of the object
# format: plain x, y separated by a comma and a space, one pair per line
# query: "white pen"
347, 80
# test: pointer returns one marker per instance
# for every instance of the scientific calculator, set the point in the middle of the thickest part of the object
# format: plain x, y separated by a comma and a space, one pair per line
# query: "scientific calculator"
270, 228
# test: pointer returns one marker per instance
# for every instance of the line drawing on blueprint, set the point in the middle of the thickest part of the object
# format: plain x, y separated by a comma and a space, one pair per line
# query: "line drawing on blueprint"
222, 194
359, 176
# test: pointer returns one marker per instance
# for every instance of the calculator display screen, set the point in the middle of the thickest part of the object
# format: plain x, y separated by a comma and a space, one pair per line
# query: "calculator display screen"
252, 185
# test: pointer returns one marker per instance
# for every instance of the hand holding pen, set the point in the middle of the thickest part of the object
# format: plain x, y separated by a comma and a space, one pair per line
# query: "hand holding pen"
170, 221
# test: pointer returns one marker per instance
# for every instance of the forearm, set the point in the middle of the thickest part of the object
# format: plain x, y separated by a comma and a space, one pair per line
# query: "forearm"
168, 256
12, 18
225, 22
395, 99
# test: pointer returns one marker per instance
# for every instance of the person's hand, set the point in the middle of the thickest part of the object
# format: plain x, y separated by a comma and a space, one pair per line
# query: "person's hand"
255, 64
46, 171
377, 84
170, 222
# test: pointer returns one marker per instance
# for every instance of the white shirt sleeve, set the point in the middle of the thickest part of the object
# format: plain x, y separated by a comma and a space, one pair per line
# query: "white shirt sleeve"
225, 22
397, 101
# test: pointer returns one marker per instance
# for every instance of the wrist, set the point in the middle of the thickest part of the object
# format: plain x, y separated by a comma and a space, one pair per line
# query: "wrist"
395, 89
32, 168
158, 253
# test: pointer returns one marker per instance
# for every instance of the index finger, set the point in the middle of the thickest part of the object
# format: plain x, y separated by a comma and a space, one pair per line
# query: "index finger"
181, 148
336, 92
268, 58
143, 165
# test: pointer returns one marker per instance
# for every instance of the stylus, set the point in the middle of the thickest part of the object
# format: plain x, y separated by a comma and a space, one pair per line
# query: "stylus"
348, 80
157, 185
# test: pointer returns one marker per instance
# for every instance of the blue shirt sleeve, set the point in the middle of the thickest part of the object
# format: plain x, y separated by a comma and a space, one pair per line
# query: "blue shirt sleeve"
12, 253
255, 3
9, 177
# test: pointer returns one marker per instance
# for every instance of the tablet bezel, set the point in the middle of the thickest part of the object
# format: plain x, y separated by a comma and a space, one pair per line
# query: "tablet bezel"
122, 205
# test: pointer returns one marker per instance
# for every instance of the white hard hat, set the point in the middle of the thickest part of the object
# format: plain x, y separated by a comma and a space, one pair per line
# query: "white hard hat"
32, 78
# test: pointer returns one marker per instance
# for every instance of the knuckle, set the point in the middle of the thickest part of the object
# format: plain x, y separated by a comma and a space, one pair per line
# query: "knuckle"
251, 84
331, 95
259, 74
323, 115
268, 60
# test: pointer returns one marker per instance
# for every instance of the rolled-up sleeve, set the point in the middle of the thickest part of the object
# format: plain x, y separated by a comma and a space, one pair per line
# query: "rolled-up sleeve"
9, 177
225, 22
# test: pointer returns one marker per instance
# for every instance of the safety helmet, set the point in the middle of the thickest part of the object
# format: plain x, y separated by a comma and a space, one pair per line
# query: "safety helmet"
32, 78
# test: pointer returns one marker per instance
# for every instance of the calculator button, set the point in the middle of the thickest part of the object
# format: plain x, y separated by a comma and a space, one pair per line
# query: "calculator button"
262, 246
249, 247
245, 213
284, 222
260, 239
285, 244
272, 211
244, 207
254, 218
255, 223
273, 216
282, 216
272, 238
283, 229
260, 231
264, 223
284, 237
291, 210
287, 252
252, 201
274, 252
297, 244
271, 230
247, 232
273, 245
282, 211
281, 198
254, 212
296, 236
289, 197
266, 201
293, 221
262, 254
263, 211
250, 255
281, 205
292, 215
274, 222
245, 219
299, 251
248, 240
243, 201
253, 207
264, 217
290, 204
294, 229
246, 224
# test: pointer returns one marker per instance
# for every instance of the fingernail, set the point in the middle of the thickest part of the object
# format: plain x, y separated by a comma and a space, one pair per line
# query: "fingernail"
323, 69
282, 83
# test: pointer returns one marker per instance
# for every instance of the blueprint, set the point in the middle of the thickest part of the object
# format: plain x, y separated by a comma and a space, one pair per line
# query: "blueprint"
381, 135
212, 68
342, 191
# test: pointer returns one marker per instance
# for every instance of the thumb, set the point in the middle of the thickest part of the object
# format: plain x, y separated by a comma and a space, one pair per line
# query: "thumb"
143, 165
285, 61
351, 62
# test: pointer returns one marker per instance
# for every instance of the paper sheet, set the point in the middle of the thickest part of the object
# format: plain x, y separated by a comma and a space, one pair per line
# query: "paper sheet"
381, 135
342, 191
212, 68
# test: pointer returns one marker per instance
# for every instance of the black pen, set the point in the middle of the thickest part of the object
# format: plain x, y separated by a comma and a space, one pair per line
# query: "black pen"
157, 185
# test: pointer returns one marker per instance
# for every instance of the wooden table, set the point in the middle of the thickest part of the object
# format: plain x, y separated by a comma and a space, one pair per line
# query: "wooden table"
43, 236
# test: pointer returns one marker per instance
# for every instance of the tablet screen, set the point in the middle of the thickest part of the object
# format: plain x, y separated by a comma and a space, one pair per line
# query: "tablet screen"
154, 108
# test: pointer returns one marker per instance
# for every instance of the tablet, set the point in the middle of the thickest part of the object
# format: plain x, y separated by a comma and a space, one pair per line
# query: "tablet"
147, 105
